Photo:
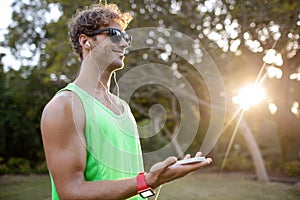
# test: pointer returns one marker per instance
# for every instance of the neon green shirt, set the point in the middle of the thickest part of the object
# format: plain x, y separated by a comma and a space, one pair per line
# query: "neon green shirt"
112, 142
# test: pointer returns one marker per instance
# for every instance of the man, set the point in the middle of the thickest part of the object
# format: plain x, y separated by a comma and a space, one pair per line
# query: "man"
90, 136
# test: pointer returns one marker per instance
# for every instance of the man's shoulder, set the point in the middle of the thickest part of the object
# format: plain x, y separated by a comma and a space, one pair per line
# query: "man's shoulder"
60, 101
61, 119
60, 106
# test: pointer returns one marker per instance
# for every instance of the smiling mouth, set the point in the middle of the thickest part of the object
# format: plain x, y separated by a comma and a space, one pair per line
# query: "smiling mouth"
119, 51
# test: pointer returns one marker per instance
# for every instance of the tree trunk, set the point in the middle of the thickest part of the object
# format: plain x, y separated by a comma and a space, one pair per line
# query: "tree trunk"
174, 141
258, 162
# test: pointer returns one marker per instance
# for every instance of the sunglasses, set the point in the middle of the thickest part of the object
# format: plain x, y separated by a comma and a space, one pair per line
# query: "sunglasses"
115, 35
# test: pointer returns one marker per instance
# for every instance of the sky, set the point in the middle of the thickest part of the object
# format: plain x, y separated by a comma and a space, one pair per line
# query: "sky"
5, 14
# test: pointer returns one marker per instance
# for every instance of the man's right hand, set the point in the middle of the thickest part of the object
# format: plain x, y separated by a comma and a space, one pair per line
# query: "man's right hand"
166, 171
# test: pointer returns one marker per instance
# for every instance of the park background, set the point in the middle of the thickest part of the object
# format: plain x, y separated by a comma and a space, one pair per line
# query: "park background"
240, 36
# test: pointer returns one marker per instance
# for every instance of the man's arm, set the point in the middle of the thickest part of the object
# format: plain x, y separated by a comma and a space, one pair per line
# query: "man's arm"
64, 142
63, 137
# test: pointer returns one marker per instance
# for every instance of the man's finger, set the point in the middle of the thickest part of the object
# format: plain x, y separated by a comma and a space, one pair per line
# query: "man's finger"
187, 156
169, 161
198, 154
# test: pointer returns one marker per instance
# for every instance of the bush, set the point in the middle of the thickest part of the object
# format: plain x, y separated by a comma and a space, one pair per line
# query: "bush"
41, 168
15, 165
238, 163
292, 168
3, 168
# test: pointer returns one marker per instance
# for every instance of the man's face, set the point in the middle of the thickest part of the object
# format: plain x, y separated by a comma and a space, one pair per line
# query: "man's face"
107, 54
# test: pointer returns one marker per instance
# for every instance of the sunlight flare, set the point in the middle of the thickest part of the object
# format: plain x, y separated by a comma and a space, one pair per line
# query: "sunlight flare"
249, 96
272, 108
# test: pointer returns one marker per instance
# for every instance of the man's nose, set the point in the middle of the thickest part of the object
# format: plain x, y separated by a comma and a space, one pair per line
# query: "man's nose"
123, 43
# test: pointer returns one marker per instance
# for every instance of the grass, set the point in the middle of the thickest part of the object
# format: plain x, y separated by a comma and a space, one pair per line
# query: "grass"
226, 187
210, 186
31, 187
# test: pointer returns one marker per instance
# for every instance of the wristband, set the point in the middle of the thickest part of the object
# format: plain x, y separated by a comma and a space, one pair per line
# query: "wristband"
142, 188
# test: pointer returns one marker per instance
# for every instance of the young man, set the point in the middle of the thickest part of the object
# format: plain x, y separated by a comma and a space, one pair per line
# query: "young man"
90, 136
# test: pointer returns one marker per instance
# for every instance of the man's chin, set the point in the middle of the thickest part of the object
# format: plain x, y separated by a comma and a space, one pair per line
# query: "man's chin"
117, 65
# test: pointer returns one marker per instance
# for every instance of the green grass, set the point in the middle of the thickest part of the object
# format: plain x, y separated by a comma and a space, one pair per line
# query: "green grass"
195, 186
226, 187
17, 187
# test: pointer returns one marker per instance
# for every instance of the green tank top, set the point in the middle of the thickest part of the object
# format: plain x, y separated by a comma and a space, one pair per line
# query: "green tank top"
112, 143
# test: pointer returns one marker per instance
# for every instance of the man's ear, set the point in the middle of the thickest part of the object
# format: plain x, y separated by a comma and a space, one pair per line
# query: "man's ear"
84, 41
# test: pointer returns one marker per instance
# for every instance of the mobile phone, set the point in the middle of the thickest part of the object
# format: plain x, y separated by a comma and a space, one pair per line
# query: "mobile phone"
190, 161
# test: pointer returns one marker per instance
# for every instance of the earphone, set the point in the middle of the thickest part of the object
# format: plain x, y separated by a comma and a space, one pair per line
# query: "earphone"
88, 44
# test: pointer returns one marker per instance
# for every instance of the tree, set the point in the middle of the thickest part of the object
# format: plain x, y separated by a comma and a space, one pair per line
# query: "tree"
236, 34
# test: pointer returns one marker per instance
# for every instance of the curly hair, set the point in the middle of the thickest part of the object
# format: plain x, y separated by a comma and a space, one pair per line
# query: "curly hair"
92, 18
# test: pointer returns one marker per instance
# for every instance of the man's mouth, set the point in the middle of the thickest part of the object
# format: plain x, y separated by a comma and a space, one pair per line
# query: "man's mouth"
119, 51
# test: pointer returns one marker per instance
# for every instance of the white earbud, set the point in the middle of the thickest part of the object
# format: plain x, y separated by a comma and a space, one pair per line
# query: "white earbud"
88, 44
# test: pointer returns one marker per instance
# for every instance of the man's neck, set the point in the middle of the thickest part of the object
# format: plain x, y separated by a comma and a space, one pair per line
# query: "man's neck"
98, 87
92, 79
